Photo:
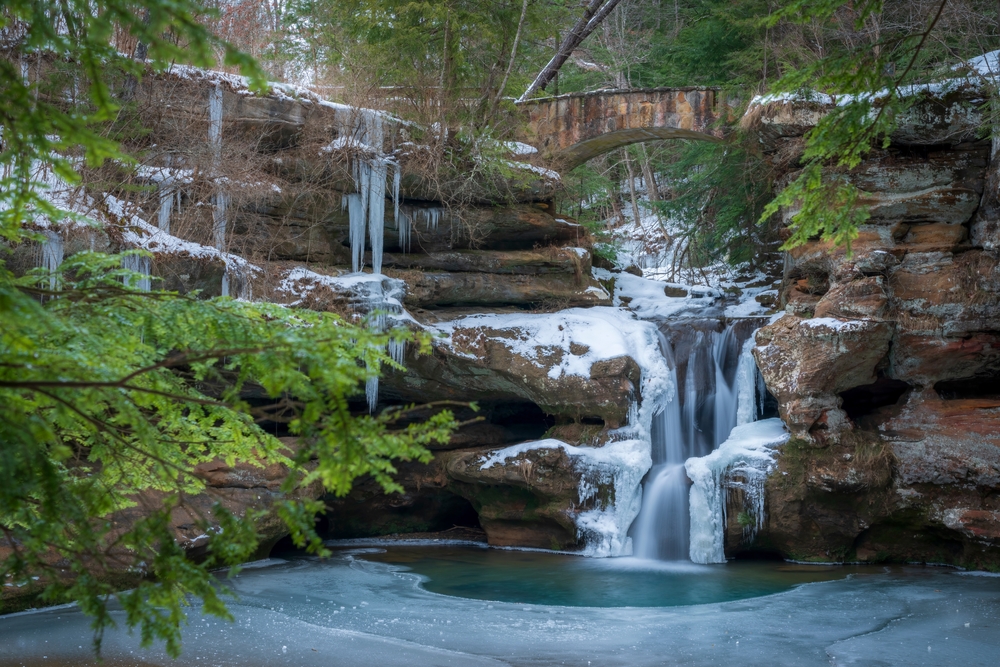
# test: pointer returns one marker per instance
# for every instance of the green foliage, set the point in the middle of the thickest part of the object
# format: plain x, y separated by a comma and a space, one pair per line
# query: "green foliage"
443, 57
110, 398
106, 403
720, 192
867, 86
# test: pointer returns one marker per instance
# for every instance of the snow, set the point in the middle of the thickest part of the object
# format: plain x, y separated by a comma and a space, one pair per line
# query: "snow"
747, 453
606, 333
351, 144
371, 291
832, 323
986, 65
541, 171
824, 99
520, 148
648, 299
140, 234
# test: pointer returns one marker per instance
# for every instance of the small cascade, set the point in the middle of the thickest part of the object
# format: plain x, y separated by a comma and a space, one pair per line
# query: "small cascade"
712, 401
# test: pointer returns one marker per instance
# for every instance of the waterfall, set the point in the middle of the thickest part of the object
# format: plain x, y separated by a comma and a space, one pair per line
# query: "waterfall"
719, 384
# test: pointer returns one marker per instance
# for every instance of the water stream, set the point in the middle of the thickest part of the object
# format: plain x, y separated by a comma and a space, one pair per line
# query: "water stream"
719, 391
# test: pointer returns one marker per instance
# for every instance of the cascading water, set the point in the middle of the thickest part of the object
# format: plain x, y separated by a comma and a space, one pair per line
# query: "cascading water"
694, 422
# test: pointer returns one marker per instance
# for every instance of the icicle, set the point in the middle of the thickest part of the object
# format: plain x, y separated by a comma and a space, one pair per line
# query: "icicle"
219, 220
139, 265
356, 215
397, 350
396, 178
376, 212
432, 216
404, 224
51, 254
215, 119
371, 392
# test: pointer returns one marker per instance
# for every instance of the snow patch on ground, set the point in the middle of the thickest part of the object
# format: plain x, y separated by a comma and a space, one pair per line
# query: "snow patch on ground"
519, 148
140, 234
743, 461
648, 298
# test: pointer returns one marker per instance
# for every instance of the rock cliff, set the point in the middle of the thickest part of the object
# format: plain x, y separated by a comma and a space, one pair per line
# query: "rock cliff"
886, 365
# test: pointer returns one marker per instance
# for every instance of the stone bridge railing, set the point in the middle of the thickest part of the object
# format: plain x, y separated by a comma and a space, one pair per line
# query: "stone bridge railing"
571, 129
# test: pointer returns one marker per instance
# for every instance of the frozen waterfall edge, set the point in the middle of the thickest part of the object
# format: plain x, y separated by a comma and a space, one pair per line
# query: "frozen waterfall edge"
743, 462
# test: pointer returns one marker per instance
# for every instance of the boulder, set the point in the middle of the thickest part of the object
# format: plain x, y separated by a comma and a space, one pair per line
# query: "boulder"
807, 363
529, 500
578, 365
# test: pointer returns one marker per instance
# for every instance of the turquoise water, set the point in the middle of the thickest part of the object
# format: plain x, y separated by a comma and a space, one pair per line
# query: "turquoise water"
545, 578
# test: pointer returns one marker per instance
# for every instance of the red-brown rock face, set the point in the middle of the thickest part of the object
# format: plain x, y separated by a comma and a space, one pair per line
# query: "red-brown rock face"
887, 369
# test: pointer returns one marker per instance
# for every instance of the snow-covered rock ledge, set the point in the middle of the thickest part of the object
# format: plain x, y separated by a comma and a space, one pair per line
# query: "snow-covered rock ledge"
607, 493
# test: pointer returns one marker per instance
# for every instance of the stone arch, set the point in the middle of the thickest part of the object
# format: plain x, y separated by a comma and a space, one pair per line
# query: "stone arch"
571, 129
579, 153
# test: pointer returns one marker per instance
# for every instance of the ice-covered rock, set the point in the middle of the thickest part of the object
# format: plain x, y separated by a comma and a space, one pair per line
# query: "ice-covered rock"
742, 462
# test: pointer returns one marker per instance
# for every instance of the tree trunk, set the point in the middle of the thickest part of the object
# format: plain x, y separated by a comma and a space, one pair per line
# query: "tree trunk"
596, 12
513, 55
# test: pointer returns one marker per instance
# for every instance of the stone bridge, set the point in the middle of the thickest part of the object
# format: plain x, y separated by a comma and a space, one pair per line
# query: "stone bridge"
571, 129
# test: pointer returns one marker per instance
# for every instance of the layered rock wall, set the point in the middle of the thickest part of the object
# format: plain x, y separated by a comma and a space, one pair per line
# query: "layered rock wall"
886, 366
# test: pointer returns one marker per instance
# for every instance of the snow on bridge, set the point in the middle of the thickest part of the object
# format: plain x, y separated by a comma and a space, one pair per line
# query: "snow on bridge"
571, 129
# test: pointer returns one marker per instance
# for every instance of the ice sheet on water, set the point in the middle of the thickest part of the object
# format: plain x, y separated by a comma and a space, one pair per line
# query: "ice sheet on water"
742, 461
885, 619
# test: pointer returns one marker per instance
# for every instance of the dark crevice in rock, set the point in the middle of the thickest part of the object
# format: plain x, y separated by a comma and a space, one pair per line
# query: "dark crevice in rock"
861, 401
978, 386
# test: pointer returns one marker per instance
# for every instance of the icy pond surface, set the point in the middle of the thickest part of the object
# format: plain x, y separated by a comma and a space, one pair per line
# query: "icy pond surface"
363, 608
540, 578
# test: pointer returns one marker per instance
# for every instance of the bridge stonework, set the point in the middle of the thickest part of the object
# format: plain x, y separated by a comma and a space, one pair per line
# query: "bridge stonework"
571, 129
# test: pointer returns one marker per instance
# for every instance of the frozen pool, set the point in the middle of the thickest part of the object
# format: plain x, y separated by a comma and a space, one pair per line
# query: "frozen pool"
363, 608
